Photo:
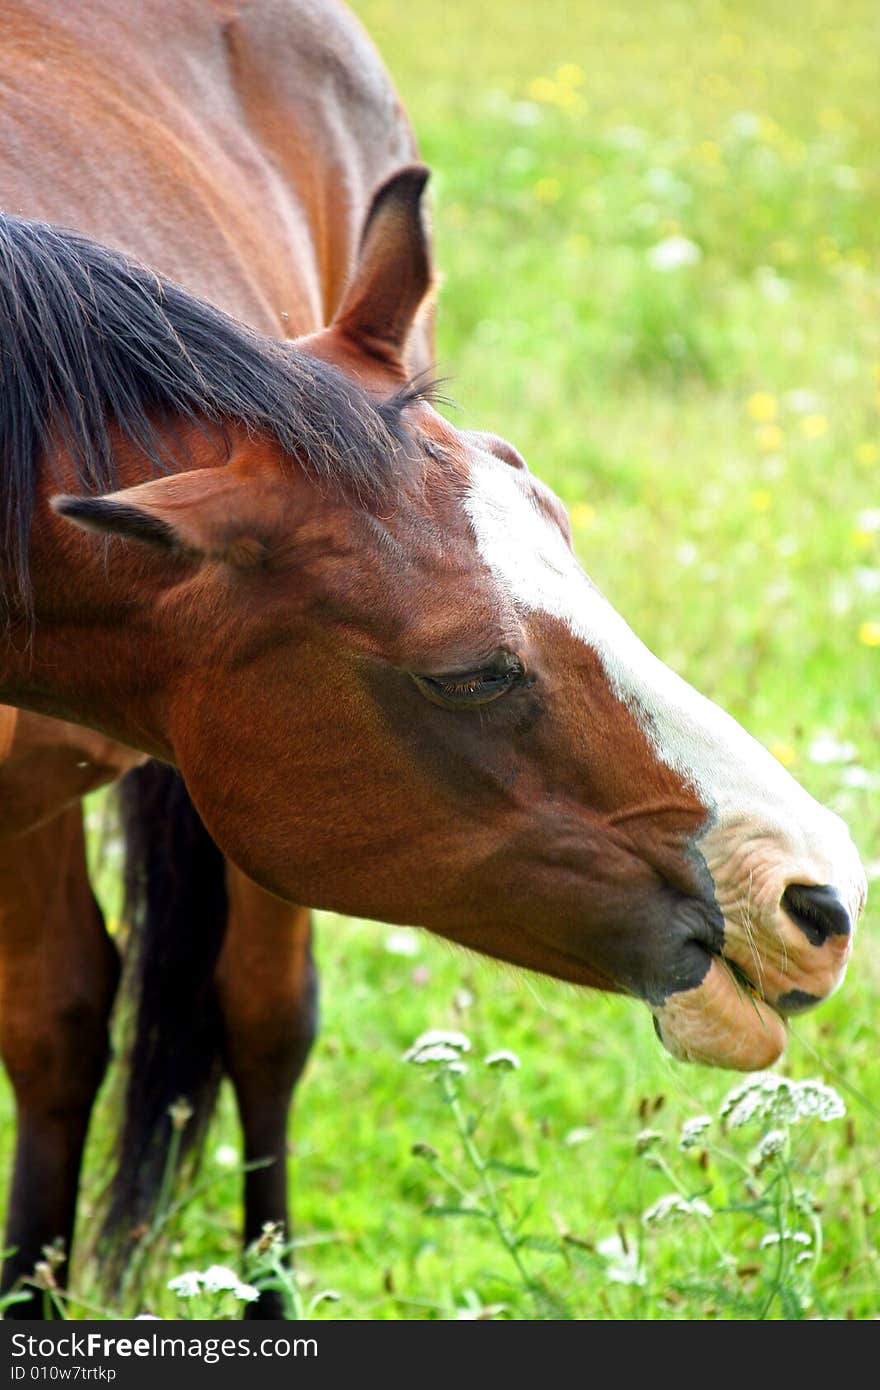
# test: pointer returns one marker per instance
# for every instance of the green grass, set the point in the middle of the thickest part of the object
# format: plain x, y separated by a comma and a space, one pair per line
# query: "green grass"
716, 431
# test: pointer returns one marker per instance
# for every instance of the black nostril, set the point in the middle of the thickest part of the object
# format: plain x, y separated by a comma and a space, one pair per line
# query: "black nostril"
818, 912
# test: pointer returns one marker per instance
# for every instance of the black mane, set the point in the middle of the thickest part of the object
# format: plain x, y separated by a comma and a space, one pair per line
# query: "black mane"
90, 339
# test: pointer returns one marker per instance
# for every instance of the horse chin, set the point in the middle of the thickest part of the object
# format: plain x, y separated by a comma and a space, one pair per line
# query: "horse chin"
722, 1022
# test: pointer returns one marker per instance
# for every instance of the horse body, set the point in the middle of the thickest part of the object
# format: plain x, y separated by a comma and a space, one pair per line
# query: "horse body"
234, 148
363, 637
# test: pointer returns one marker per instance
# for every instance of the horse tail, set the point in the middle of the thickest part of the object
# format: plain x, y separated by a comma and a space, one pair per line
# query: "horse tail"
176, 906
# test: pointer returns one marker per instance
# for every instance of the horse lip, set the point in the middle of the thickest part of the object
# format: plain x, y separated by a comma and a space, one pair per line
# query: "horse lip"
722, 1022
743, 979
794, 1001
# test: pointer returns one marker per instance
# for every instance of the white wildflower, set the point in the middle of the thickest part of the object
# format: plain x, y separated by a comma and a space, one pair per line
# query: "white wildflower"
745, 124
694, 1131
219, 1279
403, 942
525, 113
647, 1139
827, 749
188, 1285
776, 1237
869, 519
180, 1113
846, 177
623, 1265
673, 1204
503, 1058
438, 1045
226, 1156
771, 284
772, 1144
867, 579
581, 1134
802, 401
246, 1293
768, 1097
673, 253
859, 778
439, 1052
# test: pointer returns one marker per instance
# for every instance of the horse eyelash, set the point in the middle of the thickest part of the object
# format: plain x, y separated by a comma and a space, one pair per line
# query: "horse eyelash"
462, 687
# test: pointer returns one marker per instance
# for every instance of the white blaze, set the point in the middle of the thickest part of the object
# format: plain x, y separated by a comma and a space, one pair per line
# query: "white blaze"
750, 794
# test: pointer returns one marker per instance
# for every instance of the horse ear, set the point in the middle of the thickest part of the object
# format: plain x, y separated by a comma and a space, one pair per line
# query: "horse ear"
393, 273
205, 513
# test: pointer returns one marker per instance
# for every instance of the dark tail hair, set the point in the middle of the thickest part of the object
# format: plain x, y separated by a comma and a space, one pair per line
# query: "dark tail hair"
176, 906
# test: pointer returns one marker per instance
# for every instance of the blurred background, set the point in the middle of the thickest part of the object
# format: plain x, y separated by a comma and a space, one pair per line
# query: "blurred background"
658, 227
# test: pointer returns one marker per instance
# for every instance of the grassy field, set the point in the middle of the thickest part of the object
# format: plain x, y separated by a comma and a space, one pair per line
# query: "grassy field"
659, 234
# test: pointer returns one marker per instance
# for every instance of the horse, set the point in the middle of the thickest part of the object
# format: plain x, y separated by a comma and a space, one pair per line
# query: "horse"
360, 633
172, 171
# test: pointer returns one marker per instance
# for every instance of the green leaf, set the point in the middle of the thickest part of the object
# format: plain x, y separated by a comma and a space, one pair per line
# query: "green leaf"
548, 1245
445, 1210
513, 1170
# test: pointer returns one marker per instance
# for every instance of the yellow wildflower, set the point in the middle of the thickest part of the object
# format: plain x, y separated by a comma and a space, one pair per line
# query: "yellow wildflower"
582, 515
784, 753
812, 426
570, 75
769, 438
547, 190
543, 89
561, 94
831, 119
869, 634
762, 406
761, 500
709, 151
867, 454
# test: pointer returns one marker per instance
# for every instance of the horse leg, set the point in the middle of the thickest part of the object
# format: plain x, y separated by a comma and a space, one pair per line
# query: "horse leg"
58, 976
267, 990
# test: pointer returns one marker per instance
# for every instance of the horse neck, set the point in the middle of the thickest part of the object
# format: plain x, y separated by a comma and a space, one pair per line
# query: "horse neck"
235, 153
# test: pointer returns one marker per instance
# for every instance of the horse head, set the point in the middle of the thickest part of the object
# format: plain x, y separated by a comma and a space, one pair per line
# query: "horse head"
417, 707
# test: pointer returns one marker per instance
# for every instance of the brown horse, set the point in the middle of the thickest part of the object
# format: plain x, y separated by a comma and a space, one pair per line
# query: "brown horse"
251, 187
360, 633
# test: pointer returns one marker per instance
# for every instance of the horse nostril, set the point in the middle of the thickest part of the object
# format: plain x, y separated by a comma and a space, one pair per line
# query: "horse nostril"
818, 912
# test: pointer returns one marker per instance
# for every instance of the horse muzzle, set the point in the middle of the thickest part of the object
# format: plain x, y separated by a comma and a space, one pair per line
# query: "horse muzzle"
783, 963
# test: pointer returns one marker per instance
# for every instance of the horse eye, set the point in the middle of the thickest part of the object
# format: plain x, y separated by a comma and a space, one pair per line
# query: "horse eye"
470, 688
